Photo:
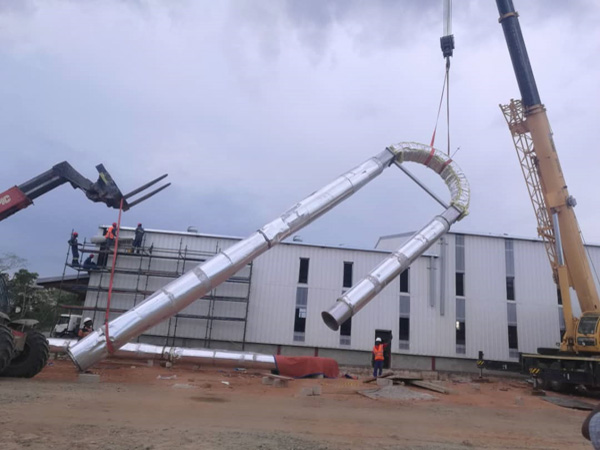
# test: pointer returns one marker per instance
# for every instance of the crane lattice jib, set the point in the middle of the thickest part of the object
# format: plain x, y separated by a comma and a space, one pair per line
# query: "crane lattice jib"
515, 118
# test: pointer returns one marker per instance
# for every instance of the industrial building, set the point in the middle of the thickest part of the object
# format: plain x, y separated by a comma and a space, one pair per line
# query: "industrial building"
467, 293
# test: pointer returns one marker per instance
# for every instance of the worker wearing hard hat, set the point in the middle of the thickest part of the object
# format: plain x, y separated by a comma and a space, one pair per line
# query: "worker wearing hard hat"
137, 241
74, 249
110, 234
378, 357
87, 328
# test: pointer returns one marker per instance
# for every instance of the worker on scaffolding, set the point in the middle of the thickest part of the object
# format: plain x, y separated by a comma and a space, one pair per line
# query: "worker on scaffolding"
89, 263
137, 241
87, 328
110, 235
74, 248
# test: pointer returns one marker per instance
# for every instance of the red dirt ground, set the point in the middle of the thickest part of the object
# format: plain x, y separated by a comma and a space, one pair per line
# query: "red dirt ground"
133, 408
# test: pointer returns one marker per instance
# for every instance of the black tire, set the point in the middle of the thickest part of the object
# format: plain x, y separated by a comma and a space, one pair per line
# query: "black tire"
7, 347
32, 359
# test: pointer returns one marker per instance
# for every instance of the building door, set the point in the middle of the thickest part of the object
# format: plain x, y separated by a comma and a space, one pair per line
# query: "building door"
386, 338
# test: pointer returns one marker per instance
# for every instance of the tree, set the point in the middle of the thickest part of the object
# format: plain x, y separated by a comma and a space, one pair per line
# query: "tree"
27, 300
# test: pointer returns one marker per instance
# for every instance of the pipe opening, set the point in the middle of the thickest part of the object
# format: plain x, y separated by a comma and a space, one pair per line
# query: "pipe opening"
330, 321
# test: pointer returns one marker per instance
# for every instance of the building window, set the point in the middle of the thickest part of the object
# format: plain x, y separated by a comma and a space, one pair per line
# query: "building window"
460, 284
404, 284
461, 334
303, 273
300, 315
404, 323
346, 332
510, 288
347, 274
509, 258
559, 296
513, 338
459, 243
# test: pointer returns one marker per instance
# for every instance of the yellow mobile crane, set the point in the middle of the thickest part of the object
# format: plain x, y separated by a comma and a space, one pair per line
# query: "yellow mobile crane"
578, 359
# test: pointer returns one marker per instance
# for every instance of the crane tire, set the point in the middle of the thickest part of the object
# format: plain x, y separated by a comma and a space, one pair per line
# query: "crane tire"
32, 359
7, 347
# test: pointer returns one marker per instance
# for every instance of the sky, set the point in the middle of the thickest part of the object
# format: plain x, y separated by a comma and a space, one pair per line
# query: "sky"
250, 106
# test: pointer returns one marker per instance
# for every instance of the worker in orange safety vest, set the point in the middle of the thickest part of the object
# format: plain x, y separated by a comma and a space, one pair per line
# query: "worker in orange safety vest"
378, 357
110, 235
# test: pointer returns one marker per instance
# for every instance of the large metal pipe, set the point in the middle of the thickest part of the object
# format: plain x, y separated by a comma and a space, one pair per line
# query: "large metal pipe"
196, 283
207, 357
366, 289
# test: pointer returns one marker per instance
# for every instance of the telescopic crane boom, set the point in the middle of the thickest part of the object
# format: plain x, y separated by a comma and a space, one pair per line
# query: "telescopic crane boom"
553, 205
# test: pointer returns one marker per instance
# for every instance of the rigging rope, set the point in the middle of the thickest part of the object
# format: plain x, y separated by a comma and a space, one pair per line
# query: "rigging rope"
109, 345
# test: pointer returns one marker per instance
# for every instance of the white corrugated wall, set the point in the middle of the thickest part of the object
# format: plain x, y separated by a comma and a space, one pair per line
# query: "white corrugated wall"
274, 283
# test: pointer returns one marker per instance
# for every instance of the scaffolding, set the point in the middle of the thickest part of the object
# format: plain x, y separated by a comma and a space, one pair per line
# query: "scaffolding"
221, 315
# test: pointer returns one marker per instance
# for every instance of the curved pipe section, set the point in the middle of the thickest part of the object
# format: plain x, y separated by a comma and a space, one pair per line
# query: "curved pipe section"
366, 289
178, 294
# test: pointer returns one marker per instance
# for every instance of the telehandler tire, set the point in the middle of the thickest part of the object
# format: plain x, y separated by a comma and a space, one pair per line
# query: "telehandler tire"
32, 359
7, 347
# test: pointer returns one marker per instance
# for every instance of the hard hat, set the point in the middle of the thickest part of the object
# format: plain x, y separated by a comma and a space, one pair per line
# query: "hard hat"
87, 319
91, 256
75, 233
139, 224
114, 224
378, 340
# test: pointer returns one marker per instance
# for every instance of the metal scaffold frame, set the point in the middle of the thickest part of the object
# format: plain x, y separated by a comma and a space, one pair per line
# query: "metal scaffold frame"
514, 114
183, 258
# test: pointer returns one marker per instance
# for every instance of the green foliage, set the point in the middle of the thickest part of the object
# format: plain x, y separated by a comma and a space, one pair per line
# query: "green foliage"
27, 300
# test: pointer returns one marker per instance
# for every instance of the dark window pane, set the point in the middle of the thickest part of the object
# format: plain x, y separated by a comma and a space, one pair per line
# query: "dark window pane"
347, 274
513, 341
300, 320
510, 288
559, 295
461, 335
460, 284
404, 281
346, 328
303, 275
301, 296
404, 331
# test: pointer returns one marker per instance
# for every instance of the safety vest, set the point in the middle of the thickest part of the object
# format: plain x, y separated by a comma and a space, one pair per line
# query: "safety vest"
110, 233
378, 352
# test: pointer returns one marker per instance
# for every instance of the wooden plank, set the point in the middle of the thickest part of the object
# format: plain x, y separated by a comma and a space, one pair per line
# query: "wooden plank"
406, 377
430, 386
277, 377
371, 379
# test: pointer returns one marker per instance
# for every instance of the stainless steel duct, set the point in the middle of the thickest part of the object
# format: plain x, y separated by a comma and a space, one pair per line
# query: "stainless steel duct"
208, 357
178, 294
363, 292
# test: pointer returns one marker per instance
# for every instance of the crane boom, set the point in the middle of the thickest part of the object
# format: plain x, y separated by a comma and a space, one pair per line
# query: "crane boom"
553, 205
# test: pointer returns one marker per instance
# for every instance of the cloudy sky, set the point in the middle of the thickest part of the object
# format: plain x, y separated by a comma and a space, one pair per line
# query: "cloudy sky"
252, 105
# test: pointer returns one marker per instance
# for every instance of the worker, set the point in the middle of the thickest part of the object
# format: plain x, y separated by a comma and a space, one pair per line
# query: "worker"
74, 249
378, 357
87, 328
110, 234
89, 263
139, 235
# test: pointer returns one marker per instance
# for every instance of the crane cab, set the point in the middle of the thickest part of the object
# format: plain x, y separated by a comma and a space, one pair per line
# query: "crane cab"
587, 339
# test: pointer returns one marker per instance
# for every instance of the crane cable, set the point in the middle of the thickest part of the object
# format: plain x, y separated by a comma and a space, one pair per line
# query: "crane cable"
447, 45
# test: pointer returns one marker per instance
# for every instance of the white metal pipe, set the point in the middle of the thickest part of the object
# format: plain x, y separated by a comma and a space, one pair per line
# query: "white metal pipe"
366, 289
191, 286
209, 357
178, 294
